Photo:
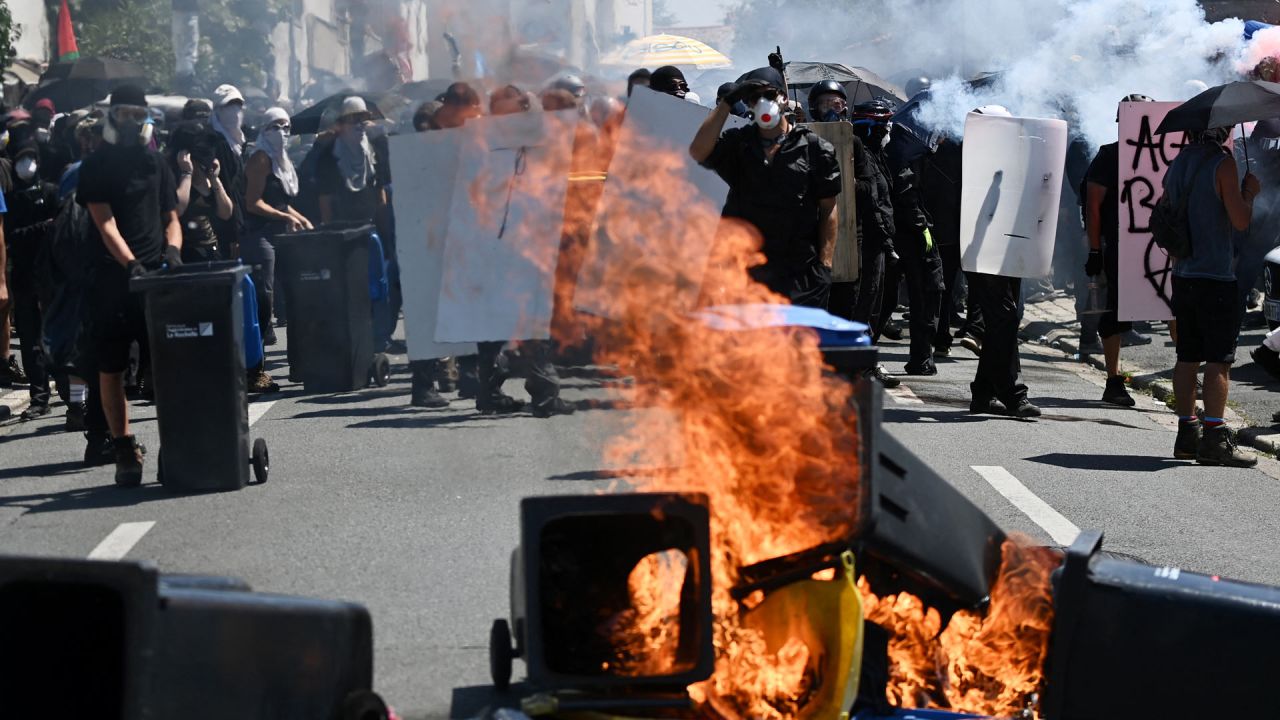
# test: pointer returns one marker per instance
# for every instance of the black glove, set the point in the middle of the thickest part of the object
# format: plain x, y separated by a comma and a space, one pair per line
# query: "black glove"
135, 269
745, 89
1093, 266
172, 256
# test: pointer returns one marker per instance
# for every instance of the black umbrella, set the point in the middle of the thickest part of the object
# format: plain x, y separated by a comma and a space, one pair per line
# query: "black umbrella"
83, 82
1224, 106
861, 84
307, 122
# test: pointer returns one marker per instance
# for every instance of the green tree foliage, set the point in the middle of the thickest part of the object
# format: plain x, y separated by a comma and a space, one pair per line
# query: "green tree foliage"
235, 42
9, 34
133, 30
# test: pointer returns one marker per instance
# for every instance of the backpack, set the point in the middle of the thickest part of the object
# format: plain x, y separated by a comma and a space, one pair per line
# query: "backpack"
1169, 227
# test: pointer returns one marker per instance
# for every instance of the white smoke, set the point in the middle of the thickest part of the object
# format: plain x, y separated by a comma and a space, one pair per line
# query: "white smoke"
1069, 59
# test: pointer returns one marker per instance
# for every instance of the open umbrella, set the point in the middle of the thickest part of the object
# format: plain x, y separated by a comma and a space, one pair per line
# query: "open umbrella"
82, 82
860, 83
658, 50
307, 122
1223, 106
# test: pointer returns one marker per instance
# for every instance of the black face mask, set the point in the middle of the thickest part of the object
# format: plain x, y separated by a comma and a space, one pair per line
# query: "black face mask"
831, 116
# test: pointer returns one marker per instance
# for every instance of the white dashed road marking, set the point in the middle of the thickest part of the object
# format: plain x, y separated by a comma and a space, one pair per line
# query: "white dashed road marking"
1062, 530
258, 409
121, 540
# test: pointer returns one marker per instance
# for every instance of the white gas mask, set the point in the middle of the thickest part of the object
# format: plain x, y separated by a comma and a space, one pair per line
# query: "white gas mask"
767, 113
26, 167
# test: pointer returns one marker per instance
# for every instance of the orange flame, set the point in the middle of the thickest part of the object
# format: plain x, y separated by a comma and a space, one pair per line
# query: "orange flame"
989, 664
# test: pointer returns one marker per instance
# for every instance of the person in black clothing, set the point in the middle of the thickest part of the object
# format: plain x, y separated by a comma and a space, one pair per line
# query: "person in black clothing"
271, 184
997, 389
130, 194
670, 80
33, 205
942, 173
783, 179
227, 120
202, 200
350, 186
1102, 227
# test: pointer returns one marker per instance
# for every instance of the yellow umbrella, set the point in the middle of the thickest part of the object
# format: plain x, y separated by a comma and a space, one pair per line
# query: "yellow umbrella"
658, 50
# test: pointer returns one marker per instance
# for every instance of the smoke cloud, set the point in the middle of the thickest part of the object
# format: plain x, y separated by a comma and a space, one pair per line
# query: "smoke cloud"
1068, 59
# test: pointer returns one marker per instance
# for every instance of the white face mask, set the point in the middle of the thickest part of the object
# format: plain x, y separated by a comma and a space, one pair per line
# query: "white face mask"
231, 116
26, 168
767, 113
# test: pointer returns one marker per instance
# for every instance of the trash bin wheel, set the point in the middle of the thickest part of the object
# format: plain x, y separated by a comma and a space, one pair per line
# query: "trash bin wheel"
381, 370
364, 705
500, 654
261, 461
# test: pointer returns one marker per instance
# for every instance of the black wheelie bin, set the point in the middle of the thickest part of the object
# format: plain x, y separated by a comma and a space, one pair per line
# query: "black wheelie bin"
325, 281
195, 323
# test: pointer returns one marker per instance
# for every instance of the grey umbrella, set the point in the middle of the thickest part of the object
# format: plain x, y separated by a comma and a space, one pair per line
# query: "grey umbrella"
1224, 106
861, 84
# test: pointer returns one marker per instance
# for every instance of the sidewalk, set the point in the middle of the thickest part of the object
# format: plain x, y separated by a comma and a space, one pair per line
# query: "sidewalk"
1255, 395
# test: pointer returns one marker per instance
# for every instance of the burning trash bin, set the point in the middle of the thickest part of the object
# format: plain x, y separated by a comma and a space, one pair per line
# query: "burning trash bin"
327, 278
195, 326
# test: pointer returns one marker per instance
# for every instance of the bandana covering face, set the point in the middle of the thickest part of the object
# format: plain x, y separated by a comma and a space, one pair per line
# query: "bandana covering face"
227, 120
273, 141
355, 157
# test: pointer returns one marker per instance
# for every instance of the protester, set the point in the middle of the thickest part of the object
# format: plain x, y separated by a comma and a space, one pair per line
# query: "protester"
271, 184
423, 116
572, 84
459, 103
202, 200
668, 79
32, 205
196, 109
942, 174
872, 122
1204, 177
131, 195
1263, 148
998, 389
556, 100
227, 120
783, 179
1102, 225
638, 78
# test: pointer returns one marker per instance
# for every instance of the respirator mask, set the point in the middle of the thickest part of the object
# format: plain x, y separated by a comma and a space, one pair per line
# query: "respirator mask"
26, 168
128, 125
767, 113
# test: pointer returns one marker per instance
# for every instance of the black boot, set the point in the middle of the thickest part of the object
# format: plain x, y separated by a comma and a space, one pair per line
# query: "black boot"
128, 456
1116, 393
1218, 447
1187, 444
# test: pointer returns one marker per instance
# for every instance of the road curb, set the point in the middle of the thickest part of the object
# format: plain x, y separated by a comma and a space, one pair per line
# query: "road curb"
1054, 335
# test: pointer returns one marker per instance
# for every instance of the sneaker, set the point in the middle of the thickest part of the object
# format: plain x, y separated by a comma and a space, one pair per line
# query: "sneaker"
987, 406
1093, 347
499, 404
98, 450
556, 406
892, 330
972, 344
260, 383
1267, 359
1116, 393
35, 410
1133, 338
1218, 447
1022, 408
887, 380
921, 370
128, 457
429, 398
1187, 443
11, 374
75, 418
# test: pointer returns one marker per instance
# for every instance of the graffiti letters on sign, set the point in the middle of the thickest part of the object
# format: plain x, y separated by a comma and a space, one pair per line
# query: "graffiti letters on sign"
1146, 277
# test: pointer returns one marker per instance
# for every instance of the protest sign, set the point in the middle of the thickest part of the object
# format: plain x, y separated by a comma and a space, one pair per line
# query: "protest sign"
1145, 282
840, 134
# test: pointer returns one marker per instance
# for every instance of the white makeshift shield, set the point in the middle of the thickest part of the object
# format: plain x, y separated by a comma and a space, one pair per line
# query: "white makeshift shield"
1013, 171
424, 165
505, 225
1145, 286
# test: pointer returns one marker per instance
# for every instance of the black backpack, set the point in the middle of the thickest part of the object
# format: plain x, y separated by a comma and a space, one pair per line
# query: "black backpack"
1169, 226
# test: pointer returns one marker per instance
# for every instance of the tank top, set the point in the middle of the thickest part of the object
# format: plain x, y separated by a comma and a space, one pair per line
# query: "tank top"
273, 194
1212, 238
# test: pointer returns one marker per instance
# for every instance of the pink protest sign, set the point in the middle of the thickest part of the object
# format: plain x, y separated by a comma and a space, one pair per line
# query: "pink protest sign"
1146, 278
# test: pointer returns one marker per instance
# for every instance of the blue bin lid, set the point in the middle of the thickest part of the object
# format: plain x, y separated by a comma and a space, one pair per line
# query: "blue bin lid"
832, 331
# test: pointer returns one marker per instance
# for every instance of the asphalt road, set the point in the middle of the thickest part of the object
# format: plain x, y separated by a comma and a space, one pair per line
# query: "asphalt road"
415, 512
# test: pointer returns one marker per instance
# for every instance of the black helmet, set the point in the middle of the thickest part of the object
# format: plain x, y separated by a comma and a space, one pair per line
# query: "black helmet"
826, 87
878, 109
1133, 97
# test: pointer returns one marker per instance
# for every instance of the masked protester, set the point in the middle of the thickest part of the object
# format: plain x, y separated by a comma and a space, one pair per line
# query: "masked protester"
783, 179
872, 123
997, 388
130, 194
668, 79
271, 185
227, 120
33, 204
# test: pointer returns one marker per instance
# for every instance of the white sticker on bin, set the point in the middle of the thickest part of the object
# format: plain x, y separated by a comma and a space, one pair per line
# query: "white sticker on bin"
322, 274
178, 332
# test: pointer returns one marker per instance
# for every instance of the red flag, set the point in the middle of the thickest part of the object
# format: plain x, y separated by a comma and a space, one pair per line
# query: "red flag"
67, 48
